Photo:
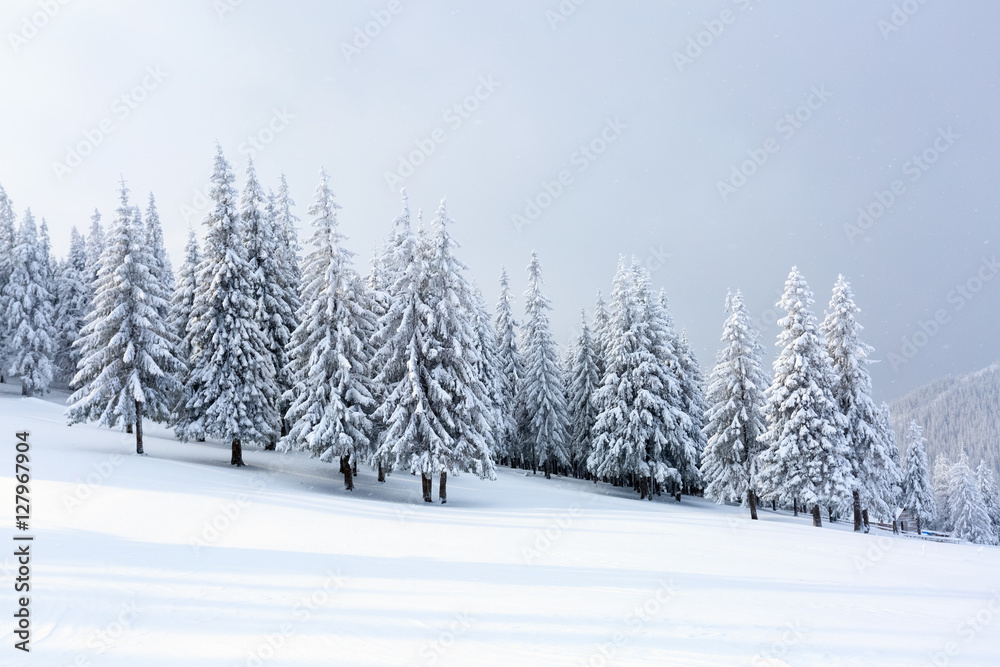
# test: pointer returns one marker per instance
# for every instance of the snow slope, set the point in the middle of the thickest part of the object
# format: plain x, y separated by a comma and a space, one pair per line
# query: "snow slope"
521, 571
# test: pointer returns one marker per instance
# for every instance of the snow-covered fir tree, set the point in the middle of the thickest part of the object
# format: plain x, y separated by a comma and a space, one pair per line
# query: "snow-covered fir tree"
918, 494
991, 500
970, 521
29, 318
289, 285
131, 370
874, 472
601, 344
734, 416
512, 370
181, 307
8, 240
433, 414
163, 272
264, 248
490, 372
584, 380
686, 440
95, 246
941, 482
543, 396
330, 399
638, 430
73, 303
693, 402
232, 368
806, 458
886, 492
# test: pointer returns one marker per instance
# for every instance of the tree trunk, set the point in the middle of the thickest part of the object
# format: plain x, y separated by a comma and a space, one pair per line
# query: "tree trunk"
138, 428
270, 446
381, 473
355, 466
128, 428
237, 459
345, 467
817, 517
829, 512
548, 469
918, 524
857, 511
425, 482
442, 489
774, 505
864, 518
753, 505
795, 506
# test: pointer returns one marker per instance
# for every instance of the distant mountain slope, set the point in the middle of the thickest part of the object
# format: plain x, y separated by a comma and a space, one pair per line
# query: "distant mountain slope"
956, 412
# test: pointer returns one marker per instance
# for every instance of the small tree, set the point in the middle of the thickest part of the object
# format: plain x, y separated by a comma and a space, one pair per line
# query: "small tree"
331, 398
583, 384
131, 371
29, 316
73, 302
991, 501
734, 419
512, 371
918, 494
968, 512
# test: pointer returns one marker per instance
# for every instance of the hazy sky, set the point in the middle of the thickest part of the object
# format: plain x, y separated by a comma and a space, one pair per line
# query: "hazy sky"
640, 109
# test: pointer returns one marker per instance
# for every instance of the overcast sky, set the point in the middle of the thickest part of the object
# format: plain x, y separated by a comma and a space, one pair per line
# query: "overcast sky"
719, 142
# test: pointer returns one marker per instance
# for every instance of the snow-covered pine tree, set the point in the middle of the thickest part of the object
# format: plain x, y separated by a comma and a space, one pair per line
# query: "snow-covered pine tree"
873, 470
29, 316
734, 417
692, 396
73, 303
683, 448
490, 373
163, 272
232, 367
918, 494
637, 431
8, 240
543, 404
942, 492
330, 399
131, 371
50, 275
289, 286
805, 457
601, 344
966, 507
181, 307
991, 499
95, 246
512, 369
264, 249
886, 490
433, 415
583, 383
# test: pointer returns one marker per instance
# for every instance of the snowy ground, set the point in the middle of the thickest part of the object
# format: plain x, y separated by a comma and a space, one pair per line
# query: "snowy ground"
521, 571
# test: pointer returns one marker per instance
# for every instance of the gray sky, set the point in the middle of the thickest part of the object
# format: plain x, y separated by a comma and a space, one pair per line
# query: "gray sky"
641, 108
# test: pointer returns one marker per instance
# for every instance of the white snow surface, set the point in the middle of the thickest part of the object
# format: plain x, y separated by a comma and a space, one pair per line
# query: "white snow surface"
520, 571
